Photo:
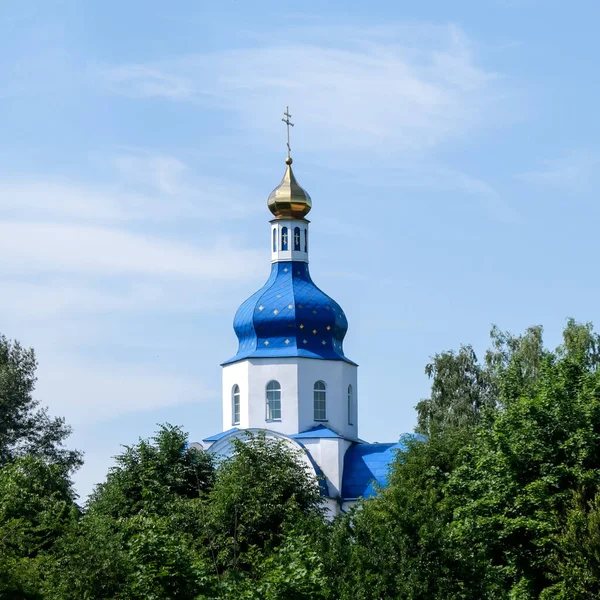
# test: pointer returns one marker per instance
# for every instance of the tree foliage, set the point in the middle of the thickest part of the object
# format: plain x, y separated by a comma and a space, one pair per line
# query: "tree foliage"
261, 488
499, 500
25, 427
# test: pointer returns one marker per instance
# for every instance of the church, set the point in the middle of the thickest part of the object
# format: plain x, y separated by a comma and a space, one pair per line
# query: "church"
290, 376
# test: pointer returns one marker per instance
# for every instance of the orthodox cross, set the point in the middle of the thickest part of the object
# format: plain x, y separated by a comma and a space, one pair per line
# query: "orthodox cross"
287, 122
297, 239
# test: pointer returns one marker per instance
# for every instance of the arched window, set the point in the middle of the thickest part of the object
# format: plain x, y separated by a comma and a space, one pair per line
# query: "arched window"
320, 398
273, 401
235, 404
284, 238
350, 406
275, 239
306, 240
297, 238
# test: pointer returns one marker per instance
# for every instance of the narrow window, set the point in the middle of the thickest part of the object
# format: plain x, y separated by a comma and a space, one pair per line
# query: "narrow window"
306, 240
297, 238
235, 401
284, 238
275, 240
273, 401
350, 406
320, 398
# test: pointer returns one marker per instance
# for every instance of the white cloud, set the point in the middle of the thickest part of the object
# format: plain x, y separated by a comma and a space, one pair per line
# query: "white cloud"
409, 88
88, 394
145, 187
147, 81
165, 173
45, 300
46, 248
575, 169
58, 200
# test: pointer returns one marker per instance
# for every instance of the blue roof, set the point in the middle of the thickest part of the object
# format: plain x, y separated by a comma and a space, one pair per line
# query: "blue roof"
365, 467
320, 431
290, 316
218, 436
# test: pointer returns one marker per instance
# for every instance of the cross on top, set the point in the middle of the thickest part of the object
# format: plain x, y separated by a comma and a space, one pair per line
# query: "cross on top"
286, 119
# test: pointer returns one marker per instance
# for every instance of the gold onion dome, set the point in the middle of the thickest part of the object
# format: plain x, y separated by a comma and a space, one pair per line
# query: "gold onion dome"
288, 200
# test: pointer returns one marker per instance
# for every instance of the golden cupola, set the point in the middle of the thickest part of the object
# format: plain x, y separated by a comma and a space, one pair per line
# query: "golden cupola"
288, 200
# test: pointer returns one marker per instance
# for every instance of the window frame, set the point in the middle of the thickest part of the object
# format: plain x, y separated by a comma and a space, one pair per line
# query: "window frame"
320, 396
350, 404
236, 407
284, 240
271, 393
297, 240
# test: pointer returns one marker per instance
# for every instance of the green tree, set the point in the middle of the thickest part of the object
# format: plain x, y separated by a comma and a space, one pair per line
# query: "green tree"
26, 429
512, 498
463, 389
148, 475
165, 525
501, 498
294, 570
143, 536
398, 544
36, 508
262, 489
577, 554
460, 388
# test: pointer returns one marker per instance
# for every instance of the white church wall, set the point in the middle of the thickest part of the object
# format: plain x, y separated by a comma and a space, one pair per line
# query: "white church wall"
337, 375
332, 463
313, 445
235, 373
253, 375
297, 377
284, 371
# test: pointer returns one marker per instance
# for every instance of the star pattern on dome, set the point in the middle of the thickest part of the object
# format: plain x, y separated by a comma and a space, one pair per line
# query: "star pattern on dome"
265, 329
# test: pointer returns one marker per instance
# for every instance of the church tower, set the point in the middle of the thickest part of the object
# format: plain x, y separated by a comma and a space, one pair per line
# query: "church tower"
290, 372
290, 377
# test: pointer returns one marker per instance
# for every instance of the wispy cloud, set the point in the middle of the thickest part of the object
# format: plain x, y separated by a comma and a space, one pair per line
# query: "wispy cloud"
575, 169
88, 394
74, 251
413, 87
145, 81
142, 187
47, 248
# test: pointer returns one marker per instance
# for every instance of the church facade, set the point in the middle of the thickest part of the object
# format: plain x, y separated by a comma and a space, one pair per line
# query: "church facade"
290, 376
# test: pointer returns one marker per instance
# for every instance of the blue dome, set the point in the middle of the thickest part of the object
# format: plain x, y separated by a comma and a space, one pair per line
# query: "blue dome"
290, 316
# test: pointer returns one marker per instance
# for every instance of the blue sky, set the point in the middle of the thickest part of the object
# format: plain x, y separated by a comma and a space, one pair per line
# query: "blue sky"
451, 150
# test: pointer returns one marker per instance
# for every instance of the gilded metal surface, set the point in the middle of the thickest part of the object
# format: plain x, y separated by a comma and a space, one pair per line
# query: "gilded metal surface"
288, 199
